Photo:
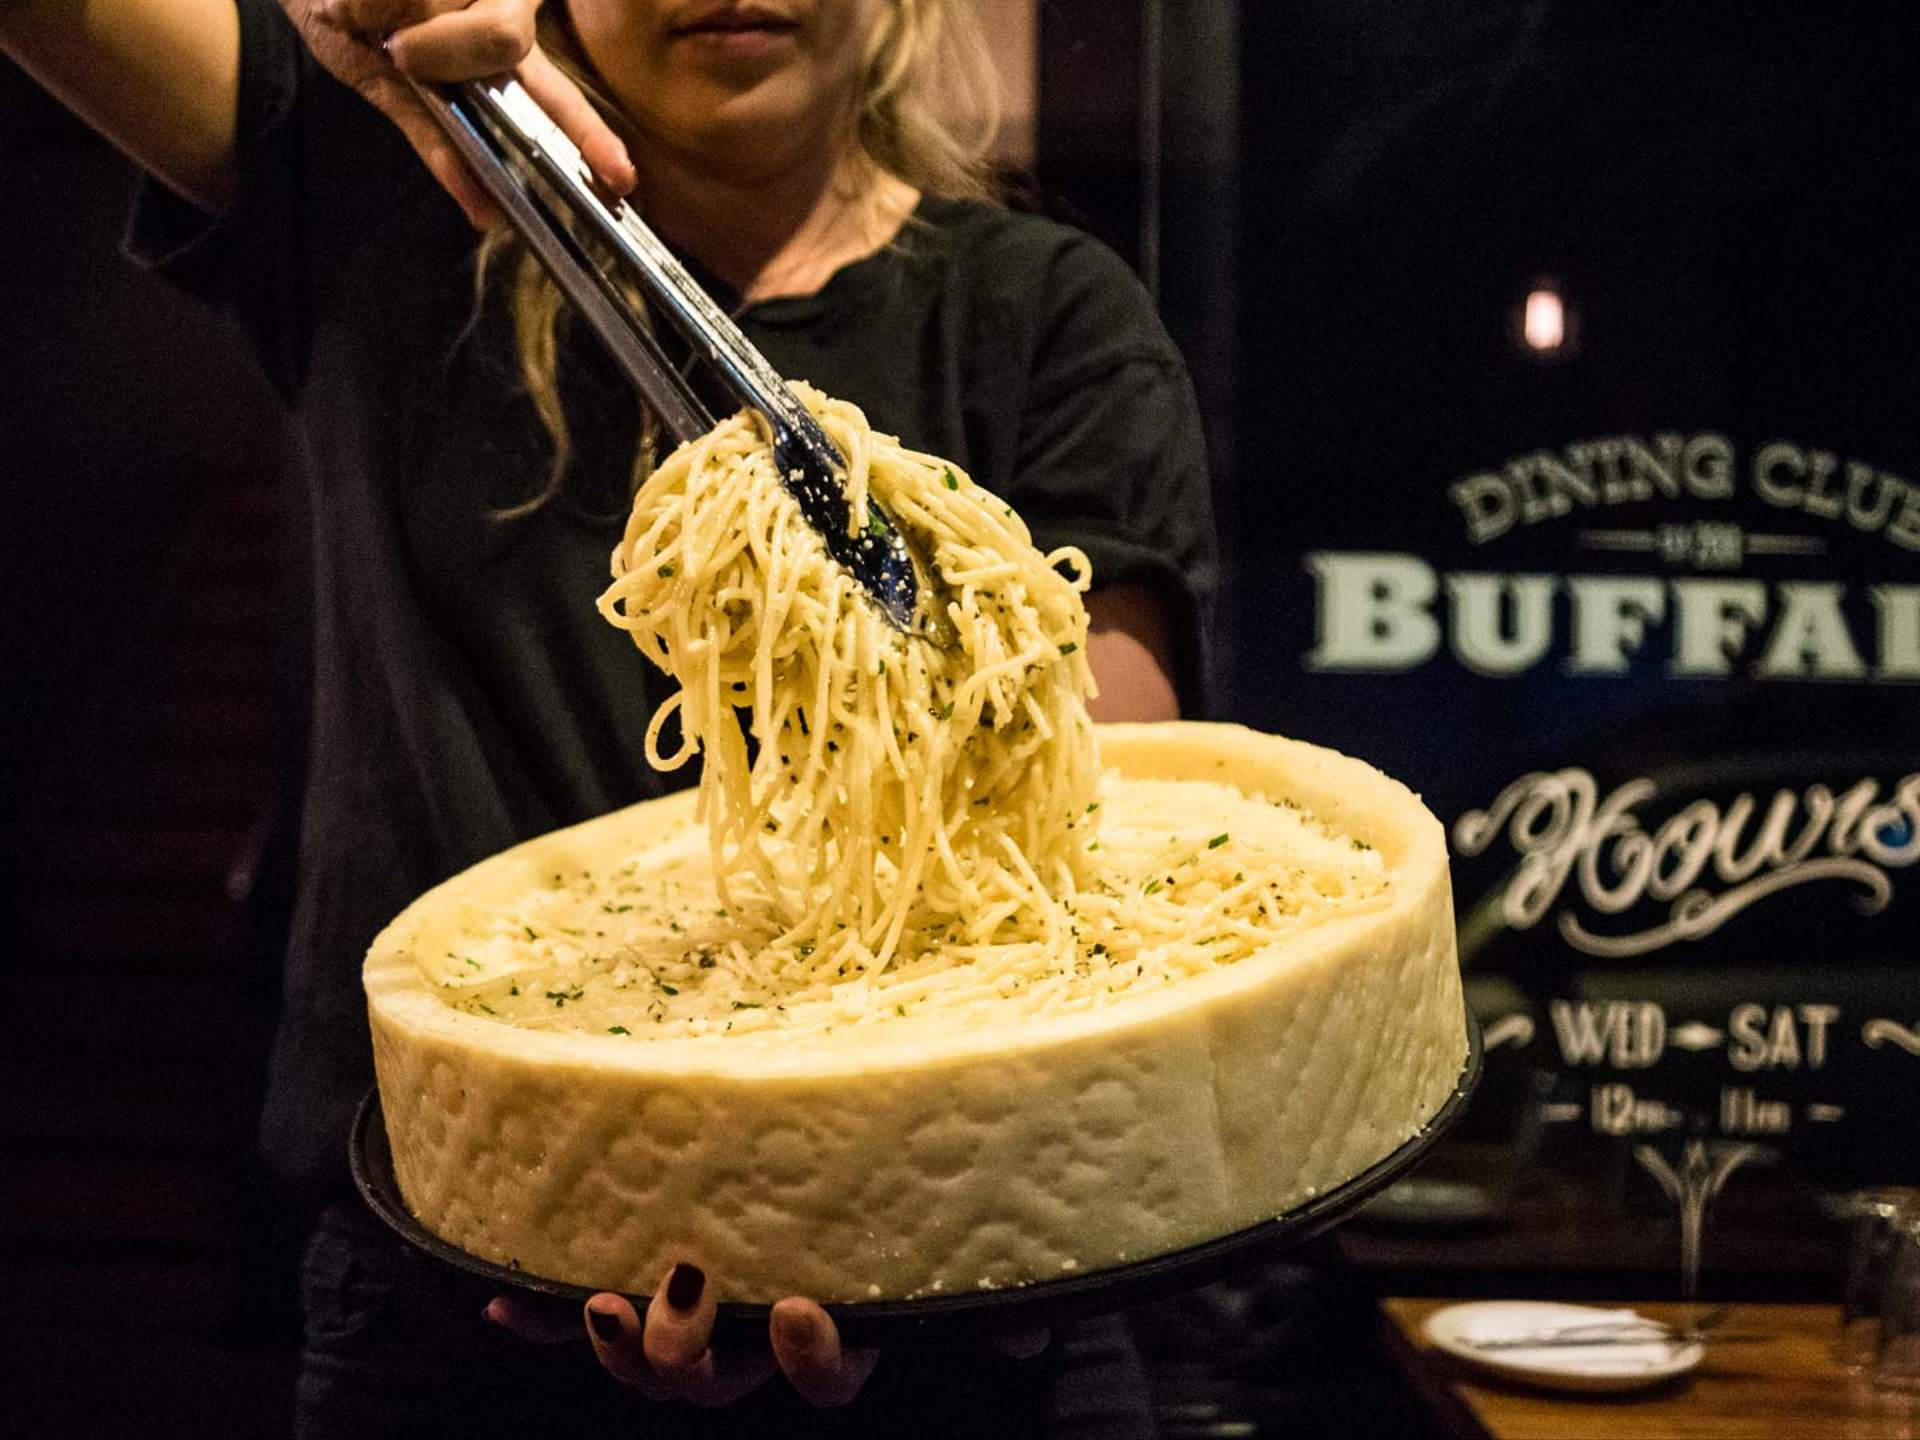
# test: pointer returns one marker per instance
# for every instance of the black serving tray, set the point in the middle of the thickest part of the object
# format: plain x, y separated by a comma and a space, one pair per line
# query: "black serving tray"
973, 1313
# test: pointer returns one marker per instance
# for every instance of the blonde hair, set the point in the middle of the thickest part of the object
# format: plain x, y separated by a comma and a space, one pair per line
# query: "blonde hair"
927, 114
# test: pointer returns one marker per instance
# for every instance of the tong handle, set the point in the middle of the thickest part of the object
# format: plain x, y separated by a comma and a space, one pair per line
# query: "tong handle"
485, 119
584, 283
708, 328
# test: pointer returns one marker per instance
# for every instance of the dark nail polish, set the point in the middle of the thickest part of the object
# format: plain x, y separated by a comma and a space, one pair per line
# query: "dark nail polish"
684, 1286
605, 1324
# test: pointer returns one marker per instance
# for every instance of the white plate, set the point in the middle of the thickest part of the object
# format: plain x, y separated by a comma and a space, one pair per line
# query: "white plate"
1561, 1367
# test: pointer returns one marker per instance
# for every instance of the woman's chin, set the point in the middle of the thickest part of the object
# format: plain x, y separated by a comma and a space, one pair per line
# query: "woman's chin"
764, 127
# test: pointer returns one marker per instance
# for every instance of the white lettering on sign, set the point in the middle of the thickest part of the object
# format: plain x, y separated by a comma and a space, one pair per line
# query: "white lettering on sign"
1628, 1035
1616, 1110
1705, 862
1779, 1037
1743, 1112
1590, 475
1383, 612
1614, 470
1818, 484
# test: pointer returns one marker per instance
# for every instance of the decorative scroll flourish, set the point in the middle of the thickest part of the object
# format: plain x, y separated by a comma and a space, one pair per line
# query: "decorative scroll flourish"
1706, 862
1881, 1031
1515, 1030
1699, 913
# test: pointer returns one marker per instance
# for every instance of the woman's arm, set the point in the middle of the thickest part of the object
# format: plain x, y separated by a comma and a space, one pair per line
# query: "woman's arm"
1131, 653
159, 78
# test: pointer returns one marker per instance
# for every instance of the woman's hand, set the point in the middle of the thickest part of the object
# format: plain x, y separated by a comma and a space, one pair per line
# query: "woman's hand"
371, 45
669, 1355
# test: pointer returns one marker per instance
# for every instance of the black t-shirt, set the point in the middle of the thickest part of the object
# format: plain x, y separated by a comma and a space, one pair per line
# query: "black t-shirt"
466, 693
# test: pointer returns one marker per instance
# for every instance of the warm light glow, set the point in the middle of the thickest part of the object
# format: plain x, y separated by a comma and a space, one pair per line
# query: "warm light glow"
1545, 324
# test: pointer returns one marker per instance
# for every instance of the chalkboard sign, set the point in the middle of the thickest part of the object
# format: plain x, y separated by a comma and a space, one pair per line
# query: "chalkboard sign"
1579, 486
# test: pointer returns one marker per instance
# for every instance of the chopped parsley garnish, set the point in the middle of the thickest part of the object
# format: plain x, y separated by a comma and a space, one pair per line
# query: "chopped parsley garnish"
953, 481
1153, 885
1068, 648
666, 572
746, 1005
618, 1030
668, 988
1217, 841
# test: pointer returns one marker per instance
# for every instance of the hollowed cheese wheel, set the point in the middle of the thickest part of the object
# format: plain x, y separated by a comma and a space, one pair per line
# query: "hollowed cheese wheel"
898, 1161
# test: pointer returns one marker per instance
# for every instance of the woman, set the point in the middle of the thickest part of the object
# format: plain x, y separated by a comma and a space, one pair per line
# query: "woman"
468, 466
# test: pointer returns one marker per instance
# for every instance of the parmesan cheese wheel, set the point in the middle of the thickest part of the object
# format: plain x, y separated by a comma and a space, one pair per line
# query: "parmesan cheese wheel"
595, 1117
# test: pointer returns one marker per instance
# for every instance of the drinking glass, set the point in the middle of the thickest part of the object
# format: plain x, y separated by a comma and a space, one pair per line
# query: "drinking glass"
1896, 1365
1874, 1219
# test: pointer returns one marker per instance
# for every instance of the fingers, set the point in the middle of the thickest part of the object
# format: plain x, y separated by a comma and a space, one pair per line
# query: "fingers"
614, 1330
532, 1321
483, 38
603, 150
679, 1326
374, 20
389, 94
490, 36
806, 1343
669, 1356
374, 45
1023, 1344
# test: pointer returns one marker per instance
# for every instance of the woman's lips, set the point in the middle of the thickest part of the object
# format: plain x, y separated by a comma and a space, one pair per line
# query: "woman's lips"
737, 29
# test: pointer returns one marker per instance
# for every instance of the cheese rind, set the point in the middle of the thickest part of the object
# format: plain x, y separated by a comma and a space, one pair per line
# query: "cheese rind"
908, 1160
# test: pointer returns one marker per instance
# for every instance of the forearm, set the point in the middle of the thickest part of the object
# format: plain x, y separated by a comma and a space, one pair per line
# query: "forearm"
1131, 655
159, 78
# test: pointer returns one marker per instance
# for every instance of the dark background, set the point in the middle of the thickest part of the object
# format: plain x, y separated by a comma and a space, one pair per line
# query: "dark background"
1339, 205
144, 1257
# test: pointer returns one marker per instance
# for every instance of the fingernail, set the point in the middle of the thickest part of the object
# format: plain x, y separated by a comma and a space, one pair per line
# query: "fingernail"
684, 1286
605, 1323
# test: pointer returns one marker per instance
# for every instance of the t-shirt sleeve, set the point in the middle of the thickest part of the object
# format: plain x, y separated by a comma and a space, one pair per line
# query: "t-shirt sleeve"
1112, 458
246, 258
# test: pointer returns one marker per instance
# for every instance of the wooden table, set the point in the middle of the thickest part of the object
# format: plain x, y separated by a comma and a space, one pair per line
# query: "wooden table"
1784, 1386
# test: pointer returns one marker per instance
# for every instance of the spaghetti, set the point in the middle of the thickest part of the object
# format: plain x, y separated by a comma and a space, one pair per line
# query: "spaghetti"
881, 784
888, 822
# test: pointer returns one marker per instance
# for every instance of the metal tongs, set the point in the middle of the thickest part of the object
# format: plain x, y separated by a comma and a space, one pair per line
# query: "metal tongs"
491, 121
